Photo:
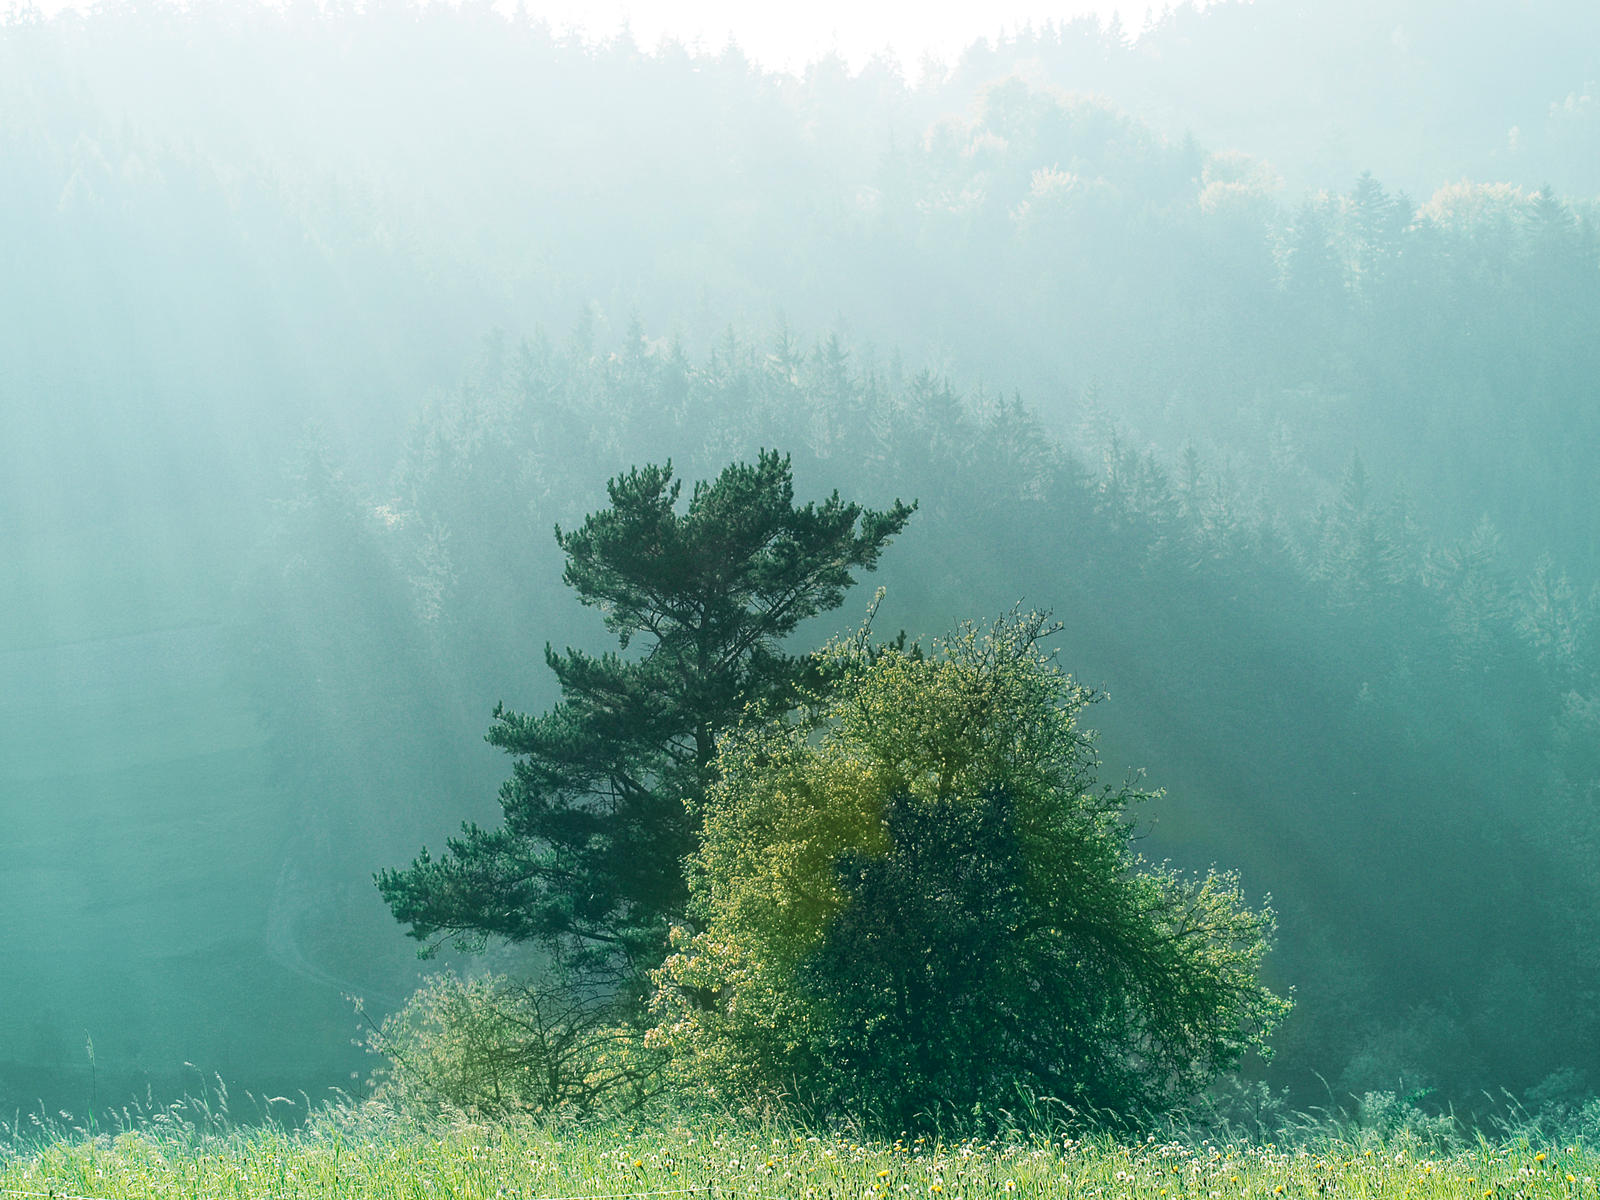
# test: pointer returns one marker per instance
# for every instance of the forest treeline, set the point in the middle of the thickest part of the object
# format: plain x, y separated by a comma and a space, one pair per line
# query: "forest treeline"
1381, 729
1306, 474
321, 239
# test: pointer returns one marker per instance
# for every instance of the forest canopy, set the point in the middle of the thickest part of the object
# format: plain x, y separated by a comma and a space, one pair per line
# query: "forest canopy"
1258, 347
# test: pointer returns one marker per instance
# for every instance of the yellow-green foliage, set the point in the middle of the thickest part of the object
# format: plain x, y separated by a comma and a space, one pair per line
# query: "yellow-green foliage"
922, 899
361, 1153
492, 1045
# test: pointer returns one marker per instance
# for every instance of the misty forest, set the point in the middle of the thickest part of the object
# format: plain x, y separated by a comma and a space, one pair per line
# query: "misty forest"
546, 577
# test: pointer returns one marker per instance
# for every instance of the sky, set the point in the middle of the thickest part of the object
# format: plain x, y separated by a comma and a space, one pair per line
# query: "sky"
785, 36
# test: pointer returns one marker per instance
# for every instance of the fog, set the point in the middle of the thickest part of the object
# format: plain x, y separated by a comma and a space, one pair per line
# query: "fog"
1259, 348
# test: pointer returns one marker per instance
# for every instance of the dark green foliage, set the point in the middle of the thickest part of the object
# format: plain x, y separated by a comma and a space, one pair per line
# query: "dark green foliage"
607, 791
921, 902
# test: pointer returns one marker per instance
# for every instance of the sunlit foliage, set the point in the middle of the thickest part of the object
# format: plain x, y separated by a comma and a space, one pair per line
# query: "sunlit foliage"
490, 1046
921, 901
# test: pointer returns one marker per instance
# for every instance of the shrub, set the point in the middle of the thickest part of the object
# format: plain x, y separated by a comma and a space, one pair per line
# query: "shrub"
492, 1045
920, 899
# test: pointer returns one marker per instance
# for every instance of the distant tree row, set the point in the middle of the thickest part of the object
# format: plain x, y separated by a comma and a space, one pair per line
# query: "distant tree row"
1379, 727
332, 246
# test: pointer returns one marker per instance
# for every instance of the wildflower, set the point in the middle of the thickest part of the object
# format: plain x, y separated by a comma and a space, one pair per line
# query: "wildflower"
1539, 1157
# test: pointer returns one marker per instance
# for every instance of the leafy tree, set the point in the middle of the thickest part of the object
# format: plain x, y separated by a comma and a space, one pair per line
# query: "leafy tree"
608, 789
493, 1045
921, 897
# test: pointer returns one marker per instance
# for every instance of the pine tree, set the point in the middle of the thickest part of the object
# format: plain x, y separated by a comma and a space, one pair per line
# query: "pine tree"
606, 796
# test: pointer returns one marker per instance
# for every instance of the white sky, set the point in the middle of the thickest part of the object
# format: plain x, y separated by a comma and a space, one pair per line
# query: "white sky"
787, 34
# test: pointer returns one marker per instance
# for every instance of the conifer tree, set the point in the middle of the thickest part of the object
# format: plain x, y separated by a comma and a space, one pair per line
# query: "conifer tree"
606, 795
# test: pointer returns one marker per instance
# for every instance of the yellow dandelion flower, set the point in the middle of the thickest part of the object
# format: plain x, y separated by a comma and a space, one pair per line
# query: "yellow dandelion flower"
1539, 1157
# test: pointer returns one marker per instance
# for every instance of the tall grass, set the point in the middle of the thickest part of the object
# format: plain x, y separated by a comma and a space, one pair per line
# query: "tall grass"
365, 1150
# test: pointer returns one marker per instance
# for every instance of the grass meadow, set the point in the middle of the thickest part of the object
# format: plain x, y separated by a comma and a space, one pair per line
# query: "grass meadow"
362, 1152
